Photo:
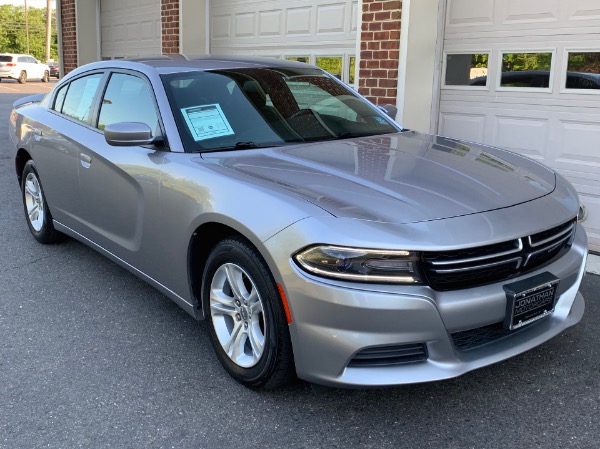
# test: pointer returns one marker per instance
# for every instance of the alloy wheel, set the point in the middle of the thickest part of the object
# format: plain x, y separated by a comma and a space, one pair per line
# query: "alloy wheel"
237, 315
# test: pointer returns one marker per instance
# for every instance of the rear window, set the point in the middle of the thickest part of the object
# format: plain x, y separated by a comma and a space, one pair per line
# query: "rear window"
4, 58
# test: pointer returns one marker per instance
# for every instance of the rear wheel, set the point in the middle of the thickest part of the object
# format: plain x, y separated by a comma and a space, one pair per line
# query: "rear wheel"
247, 323
46, 77
22, 77
37, 213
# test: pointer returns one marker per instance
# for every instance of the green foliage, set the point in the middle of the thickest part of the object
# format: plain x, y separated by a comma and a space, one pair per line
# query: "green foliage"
332, 65
479, 60
13, 36
517, 62
584, 62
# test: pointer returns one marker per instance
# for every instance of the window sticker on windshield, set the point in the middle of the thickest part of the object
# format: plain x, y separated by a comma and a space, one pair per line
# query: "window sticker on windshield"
206, 121
380, 120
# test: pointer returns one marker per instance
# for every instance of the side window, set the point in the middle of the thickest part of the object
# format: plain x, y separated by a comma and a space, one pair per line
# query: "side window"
60, 98
128, 99
80, 97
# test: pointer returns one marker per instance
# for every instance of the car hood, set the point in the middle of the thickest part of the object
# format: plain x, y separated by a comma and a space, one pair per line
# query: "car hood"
399, 178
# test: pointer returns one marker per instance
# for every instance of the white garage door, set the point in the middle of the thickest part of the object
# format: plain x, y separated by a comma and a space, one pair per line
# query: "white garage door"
318, 32
130, 28
525, 75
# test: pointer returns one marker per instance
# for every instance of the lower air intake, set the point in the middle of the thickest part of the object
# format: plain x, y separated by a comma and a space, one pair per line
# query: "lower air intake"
389, 355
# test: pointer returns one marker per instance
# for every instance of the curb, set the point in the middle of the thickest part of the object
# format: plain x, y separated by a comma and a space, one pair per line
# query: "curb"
593, 264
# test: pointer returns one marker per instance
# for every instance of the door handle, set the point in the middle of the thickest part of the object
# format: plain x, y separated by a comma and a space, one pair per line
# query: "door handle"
86, 161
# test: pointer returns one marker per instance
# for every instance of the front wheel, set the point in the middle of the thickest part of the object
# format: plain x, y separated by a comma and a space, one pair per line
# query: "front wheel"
46, 77
37, 213
22, 77
247, 322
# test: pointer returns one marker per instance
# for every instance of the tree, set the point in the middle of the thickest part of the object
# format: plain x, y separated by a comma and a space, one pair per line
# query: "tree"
13, 38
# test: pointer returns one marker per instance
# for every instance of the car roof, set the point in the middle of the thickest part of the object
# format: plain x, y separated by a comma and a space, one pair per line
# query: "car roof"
175, 63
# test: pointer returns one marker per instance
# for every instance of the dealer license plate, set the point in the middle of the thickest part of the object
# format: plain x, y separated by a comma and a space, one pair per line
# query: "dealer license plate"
530, 300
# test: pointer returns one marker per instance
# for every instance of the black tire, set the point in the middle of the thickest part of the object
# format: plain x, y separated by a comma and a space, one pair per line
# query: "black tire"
274, 367
33, 196
46, 77
22, 77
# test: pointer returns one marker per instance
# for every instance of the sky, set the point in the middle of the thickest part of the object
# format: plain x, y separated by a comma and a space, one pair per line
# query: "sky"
30, 3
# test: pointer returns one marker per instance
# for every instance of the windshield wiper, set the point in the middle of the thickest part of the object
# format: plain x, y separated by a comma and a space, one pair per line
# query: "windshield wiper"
348, 135
244, 146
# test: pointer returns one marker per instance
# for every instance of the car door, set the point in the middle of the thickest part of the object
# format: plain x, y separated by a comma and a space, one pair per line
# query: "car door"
119, 185
58, 135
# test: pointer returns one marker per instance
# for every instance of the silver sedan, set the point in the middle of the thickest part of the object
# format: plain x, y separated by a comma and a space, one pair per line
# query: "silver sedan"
316, 236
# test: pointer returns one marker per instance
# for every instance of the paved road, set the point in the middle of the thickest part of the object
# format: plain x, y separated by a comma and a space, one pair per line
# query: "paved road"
92, 357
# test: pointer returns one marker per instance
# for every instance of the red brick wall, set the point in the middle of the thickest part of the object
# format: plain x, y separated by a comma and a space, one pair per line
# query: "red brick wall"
69, 35
170, 26
380, 50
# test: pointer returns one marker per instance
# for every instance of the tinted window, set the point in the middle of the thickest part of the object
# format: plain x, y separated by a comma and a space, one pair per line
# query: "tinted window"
128, 99
267, 106
60, 98
80, 97
4, 58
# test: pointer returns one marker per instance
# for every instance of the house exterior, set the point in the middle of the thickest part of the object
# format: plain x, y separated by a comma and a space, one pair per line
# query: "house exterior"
520, 74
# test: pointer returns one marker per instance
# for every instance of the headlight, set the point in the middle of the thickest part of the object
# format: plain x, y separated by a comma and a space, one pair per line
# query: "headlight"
359, 264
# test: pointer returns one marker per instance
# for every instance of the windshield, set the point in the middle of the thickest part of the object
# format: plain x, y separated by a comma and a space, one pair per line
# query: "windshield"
254, 107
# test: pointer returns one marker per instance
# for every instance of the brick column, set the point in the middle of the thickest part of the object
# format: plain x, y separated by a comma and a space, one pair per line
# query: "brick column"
69, 35
380, 50
170, 26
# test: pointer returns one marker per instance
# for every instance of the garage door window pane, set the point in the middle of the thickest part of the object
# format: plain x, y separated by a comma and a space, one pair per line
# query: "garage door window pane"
529, 70
304, 59
332, 65
466, 69
351, 70
583, 70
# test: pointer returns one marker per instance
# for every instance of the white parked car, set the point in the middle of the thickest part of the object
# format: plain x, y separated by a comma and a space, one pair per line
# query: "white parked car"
22, 68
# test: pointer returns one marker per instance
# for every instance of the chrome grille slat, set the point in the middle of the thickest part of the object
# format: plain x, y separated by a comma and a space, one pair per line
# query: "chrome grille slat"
519, 248
566, 232
480, 267
459, 269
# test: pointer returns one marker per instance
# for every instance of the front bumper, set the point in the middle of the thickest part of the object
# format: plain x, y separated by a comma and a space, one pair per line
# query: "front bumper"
333, 321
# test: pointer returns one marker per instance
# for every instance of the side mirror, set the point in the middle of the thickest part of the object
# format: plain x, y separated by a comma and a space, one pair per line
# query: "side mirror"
389, 110
128, 134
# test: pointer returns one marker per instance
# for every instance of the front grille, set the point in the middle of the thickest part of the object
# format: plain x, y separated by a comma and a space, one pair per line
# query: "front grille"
389, 355
474, 338
465, 268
